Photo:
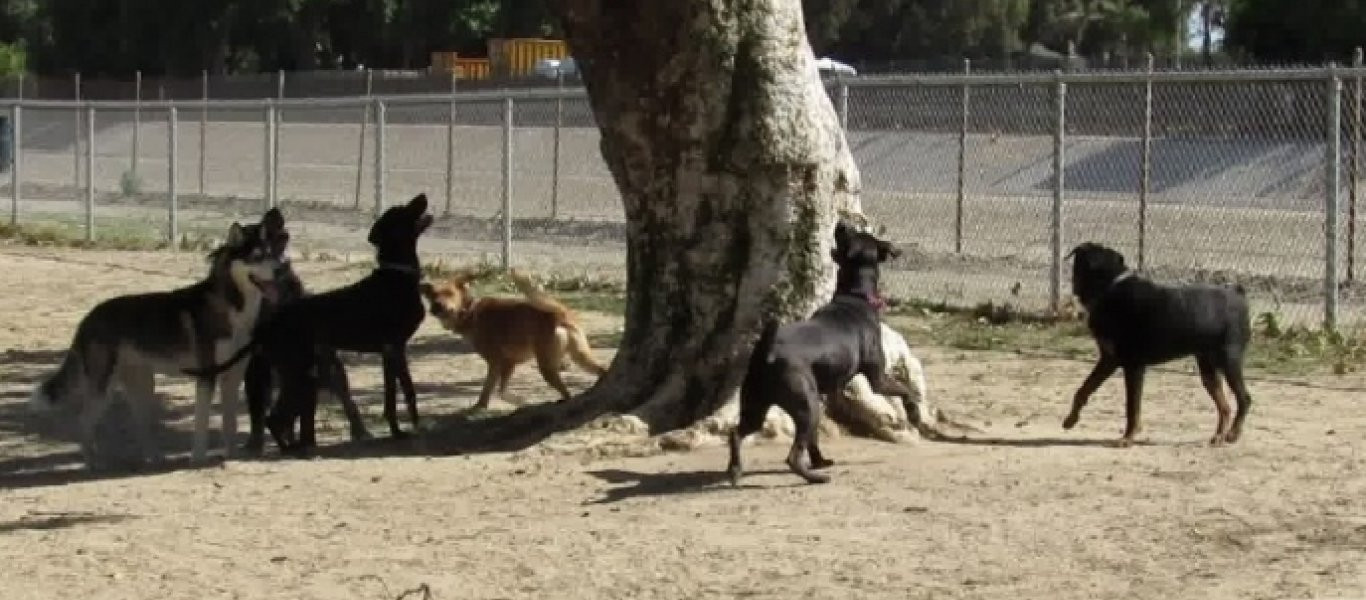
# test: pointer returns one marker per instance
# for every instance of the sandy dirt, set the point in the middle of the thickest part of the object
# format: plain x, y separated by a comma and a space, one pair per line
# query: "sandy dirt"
1024, 511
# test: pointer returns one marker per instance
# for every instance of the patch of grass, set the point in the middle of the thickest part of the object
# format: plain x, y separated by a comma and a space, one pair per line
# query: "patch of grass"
110, 235
1275, 348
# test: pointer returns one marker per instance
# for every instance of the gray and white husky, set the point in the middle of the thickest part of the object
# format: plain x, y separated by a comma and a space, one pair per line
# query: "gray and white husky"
124, 341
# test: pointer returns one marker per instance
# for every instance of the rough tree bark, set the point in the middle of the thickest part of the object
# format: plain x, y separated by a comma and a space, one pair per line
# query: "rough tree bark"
732, 166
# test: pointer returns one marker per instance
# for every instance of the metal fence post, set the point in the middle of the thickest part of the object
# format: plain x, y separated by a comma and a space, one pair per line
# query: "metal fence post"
268, 194
379, 156
1333, 176
275, 141
1059, 185
507, 182
16, 161
76, 137
137, 118
203, 128
364, 124
555, 163
173, 229
844, 104
962, 160
1354, 167
89, 174
1145, 168
450, 148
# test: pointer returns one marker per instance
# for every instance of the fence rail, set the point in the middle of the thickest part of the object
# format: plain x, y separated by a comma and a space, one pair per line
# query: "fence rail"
1249, 176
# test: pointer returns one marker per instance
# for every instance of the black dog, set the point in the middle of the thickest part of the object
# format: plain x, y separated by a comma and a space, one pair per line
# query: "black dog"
258, 376
378, 314
1138, 323
797, 364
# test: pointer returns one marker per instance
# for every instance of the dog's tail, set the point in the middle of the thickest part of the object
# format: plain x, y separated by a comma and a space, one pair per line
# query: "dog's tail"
52, 391
576, 346
84, 360
538, 297
216, 370
763, 349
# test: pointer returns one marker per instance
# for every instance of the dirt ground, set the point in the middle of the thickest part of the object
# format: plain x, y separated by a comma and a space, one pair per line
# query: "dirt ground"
1023, 511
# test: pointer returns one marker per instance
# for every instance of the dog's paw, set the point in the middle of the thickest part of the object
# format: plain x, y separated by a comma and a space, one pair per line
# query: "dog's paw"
823, 463
1070, 421
1218, 440
1231, 436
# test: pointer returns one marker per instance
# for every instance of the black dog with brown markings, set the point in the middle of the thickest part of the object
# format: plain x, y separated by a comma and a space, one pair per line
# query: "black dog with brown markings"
795, 365
377, 314
1138, 323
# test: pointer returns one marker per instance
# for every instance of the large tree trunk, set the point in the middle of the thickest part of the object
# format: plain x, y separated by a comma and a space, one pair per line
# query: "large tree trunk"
731, 163
732, 167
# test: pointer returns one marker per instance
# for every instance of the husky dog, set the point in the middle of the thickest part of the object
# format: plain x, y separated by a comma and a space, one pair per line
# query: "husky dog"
125, 341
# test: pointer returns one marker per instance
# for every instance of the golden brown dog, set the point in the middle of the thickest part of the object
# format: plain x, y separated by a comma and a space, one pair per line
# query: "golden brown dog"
509, 331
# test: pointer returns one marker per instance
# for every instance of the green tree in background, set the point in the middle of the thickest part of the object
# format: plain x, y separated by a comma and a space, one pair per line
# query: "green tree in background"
1311, 31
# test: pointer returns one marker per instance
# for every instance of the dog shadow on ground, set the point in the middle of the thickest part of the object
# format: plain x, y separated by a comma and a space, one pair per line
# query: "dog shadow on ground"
1041, 442
635, 484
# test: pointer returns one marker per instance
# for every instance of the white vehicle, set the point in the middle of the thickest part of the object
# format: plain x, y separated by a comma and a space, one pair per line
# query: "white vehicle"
551, 68
829, 66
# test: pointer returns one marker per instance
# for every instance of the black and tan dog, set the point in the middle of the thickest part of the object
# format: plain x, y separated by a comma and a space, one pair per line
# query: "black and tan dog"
1138, 323
377, 314
796, 365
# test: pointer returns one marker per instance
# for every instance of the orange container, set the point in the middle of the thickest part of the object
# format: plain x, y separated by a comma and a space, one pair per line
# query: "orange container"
516, 57
472, 68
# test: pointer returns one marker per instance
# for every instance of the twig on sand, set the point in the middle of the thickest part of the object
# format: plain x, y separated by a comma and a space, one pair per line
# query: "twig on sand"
423, 589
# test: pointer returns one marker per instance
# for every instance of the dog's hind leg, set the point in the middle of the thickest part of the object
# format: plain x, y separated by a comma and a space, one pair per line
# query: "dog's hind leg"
96, 402
548, 360
753, 411
1133, 403
1233, 372
806, 414
1104, 368
139, 385
334, 375
1209, 377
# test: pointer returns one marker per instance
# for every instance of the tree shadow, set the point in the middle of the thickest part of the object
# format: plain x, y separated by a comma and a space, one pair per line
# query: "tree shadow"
672, 483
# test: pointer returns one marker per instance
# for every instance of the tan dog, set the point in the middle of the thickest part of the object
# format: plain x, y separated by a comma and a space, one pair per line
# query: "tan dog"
509, 331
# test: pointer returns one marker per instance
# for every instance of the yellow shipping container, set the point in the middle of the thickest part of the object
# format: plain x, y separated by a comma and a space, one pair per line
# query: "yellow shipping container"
462, 68
516, 57
472, 68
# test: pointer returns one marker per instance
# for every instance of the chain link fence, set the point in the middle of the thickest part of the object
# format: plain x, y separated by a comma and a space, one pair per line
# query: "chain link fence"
1222, 176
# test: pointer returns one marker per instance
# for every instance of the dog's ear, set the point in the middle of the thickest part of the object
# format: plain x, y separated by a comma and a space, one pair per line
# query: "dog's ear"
235, 234
842, 233
418, 204
273, 220
373, 238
